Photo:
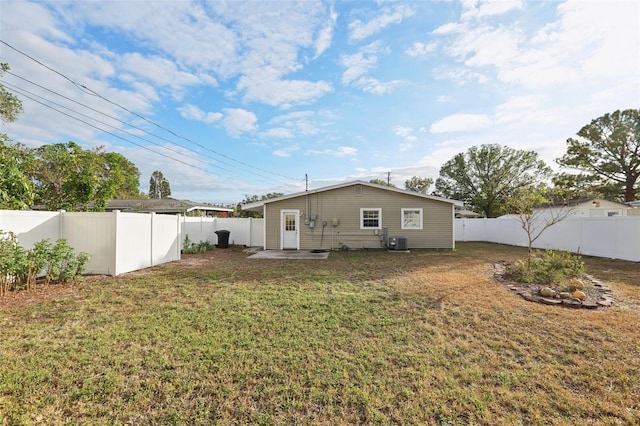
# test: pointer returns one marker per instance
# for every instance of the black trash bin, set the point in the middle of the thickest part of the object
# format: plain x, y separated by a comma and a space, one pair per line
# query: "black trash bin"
223, 238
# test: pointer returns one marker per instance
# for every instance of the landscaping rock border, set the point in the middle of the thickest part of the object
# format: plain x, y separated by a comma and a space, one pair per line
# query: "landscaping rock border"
598, 295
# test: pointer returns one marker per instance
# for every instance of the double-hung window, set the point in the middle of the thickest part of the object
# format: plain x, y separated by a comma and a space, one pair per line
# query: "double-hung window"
370, 218
411, 218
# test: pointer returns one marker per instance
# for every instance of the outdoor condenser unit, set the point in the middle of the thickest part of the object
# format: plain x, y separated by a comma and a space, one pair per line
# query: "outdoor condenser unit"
398, 243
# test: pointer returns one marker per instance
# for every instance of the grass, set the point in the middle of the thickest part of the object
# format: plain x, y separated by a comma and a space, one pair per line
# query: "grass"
361, 338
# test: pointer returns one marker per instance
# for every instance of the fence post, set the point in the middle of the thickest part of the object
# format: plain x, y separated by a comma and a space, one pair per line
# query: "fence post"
179, 229
61, 224
151, 220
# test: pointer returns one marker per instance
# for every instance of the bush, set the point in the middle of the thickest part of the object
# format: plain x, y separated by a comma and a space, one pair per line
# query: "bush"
549, 267
189, 246
63, 264
20, 267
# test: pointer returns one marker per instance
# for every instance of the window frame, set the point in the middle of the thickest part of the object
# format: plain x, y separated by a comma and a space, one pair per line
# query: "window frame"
412, 209
366, 209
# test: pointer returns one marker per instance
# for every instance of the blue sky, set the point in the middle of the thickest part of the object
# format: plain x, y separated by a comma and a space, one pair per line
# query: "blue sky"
238, 98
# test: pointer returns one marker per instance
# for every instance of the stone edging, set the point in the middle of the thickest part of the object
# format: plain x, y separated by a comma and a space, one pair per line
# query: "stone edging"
605, 298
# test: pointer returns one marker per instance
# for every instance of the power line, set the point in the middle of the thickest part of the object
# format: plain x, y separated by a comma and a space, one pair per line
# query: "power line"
116, 136
23, 92
94, 93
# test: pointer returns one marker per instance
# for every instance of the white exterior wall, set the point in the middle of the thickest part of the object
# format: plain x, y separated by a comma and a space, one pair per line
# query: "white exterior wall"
615, 237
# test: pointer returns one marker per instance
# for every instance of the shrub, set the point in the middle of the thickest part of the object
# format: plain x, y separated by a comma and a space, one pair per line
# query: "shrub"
189, 246
63, 264
549, 267
12, 261
37, 259
20, 267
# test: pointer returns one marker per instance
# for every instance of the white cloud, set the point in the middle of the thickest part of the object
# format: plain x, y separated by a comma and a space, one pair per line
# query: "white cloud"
473, 9
359, 63
286, 152
341, 151
192, 112
237, 121
460, 123
406, 133
376, 87
421, 49
358, 66
270, 90
325, 35
161, 71
588, 41
359, 30
299, 123
278, 133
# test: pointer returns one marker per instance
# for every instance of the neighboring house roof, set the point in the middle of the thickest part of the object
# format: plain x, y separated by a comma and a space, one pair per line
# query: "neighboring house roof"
162, 205
579, 201
467, 214
256, 206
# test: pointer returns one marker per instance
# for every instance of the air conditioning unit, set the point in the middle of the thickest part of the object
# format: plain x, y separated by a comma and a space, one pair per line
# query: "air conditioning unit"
398, 243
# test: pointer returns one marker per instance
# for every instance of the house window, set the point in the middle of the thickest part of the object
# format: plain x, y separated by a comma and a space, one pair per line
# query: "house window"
411, 219
370, 218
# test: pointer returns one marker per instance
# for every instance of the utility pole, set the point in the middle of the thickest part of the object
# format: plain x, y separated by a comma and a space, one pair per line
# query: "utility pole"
306, 182
388, 178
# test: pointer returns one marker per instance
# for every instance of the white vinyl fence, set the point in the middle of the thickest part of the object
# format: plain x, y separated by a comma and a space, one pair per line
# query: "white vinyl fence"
615, 237
123, 242
243, 231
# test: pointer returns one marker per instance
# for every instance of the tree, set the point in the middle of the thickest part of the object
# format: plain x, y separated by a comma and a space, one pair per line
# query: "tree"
16, 190
486, 177
382, 182
527, 203
125, 174
67, 177
10, 104
159, 186
418, 184
608, 154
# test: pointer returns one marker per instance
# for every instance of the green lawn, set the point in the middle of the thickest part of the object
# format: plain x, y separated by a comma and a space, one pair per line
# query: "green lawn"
361, 338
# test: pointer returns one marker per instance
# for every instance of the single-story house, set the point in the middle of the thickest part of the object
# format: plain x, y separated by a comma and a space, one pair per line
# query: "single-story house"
167, 206
357, 215
591, 207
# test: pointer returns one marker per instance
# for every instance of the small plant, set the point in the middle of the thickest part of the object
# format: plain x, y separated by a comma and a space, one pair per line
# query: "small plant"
36, 260
63, 264
20, 267
12, 260
549, 267
189, 246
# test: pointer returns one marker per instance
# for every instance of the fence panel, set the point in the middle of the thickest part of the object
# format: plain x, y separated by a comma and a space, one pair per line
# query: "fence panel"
166, 238
31, 227
93, 233
243, 231
199, 229
133, 242
612, 237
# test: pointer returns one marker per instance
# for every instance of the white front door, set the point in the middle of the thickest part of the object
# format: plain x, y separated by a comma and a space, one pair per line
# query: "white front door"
289, 224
